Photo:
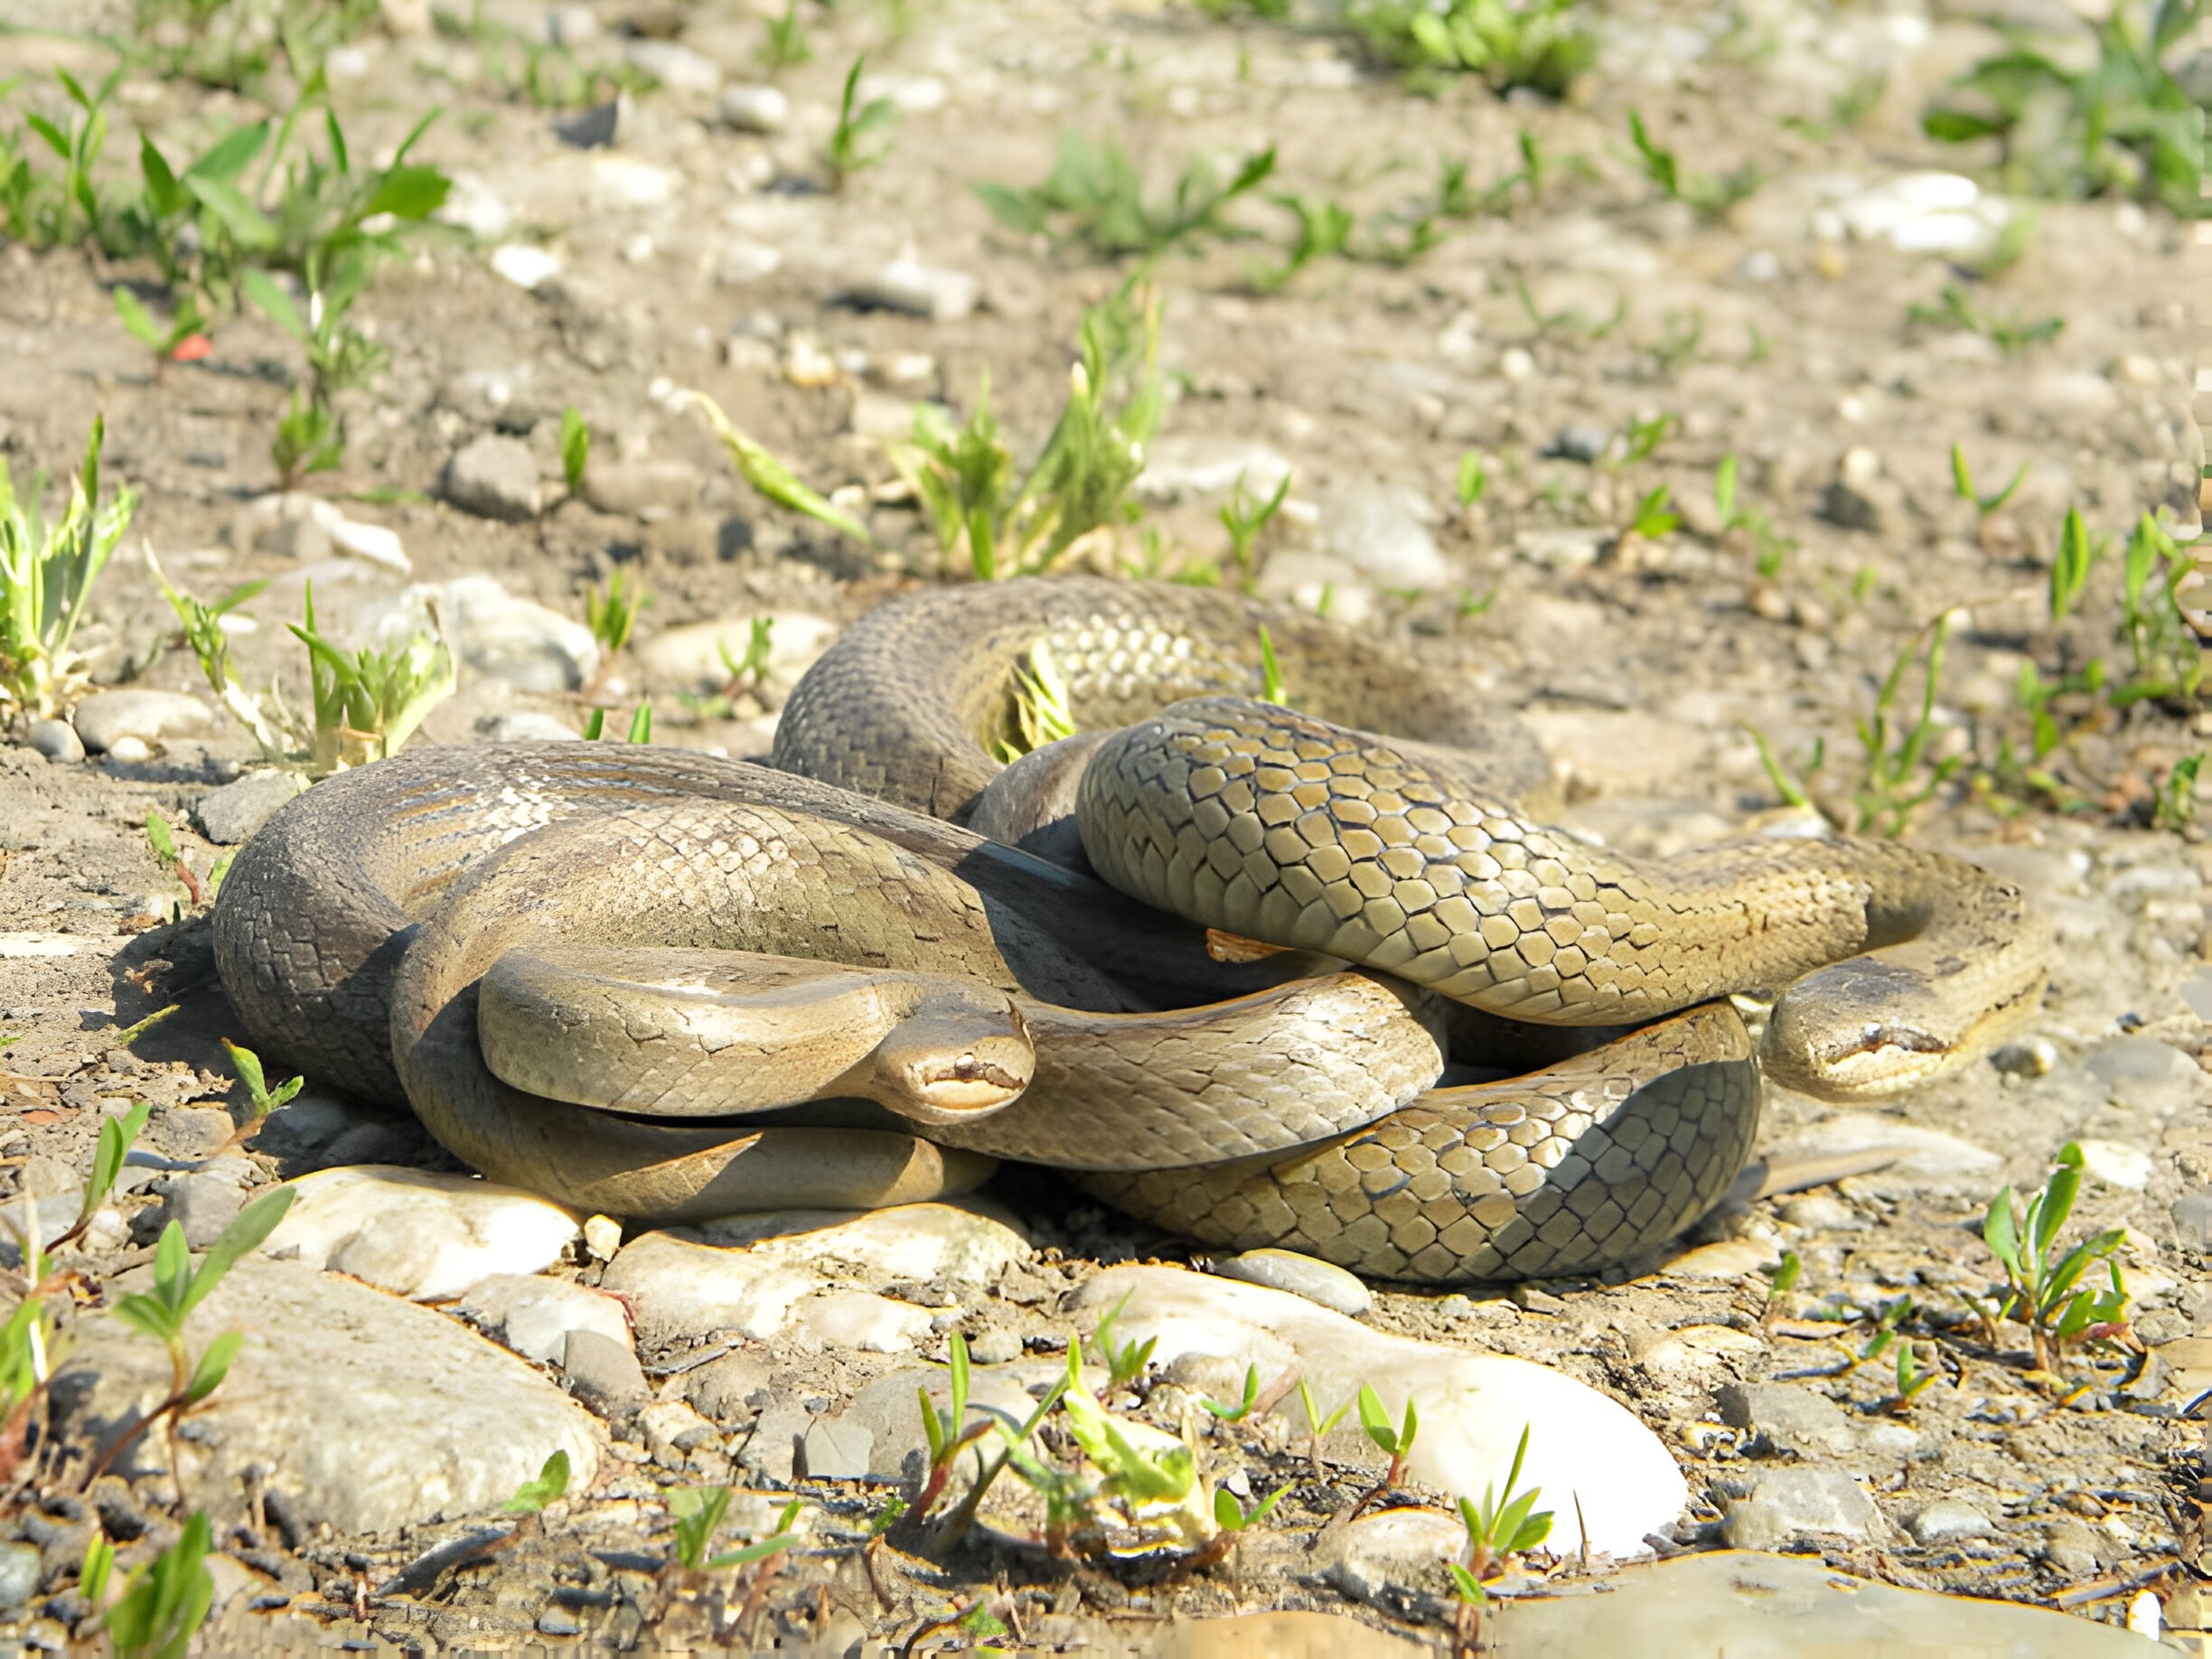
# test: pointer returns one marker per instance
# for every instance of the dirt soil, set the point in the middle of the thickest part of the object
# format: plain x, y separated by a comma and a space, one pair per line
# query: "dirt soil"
692, 254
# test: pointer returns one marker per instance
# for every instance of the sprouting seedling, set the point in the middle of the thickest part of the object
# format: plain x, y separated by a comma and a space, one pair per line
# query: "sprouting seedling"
1237, 1413
165, 1602
1781, 1279
769, 475
264, 1100
162, 339
1244, 518
163, 842
963, 1514
1125, 1362
2043, 1290
1986, 506
1900, 776
549, 1485
575, 448
1710, 195
1498, 1528
1769, 548
178, 1289
2174, 807
1642, 438
611, 612
1039, 712
2077, 553
697, 1513
116, 1137
1913, 1375
785, 44
1134, 1475
1270, 671
1653, 516
641, 725
850, 148
752, 667
1472, 478
1317, 1425
2008, 334
1472, 603
944, 1428
1891, 1315
1395, 1440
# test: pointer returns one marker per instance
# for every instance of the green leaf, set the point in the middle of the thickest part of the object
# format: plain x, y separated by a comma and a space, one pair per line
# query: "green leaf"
56, 140
550, 1486
253, 228
247, 1065
150, 1318
752, 1552
159, 838
116, 1135
254, 1223
213, 1366
769, 476
1375, 1420
266, 291
641, 725
1469, 1587
574, 446
408, 193
229, 155
1999, 1232
172, 1269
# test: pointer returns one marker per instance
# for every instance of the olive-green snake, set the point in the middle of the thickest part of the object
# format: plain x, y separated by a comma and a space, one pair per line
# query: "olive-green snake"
664, 986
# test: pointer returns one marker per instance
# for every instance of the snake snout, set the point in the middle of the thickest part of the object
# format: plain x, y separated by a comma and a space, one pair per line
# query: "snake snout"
1862, 1030
955, 1064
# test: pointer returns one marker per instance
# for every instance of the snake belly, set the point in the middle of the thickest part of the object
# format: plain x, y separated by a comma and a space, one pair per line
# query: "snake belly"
362, 935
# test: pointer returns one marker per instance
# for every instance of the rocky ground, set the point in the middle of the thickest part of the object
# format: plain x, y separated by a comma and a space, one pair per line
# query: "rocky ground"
1585, 343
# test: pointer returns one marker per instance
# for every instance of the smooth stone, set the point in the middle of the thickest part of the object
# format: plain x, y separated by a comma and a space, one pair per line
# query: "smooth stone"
677, 68
670, 1428
417, 1232
365, 1411
2192, 1217
19, 1574
230, 815
2034, 1057
2196, 992
1382, 533
731, 1386
201, 1204
919, 290
1187, 465
754, 108
590, 129
494, 477
535, 1314
1600, 752
689, 657
837, 1450
1580, 441
310, 1121
1394, 1561
372, 543
107, 718
1925, 1157
742, 261
749, 1274
527, 267
56, 740
496, 633
2143, 1072
130, 751
1785, 1417
1473, 1406
1752, 1607
1286, 1269
603, 1372
1281, 1635
889, 1410
1946, 1519
1799, 1501
2115, 1165
641, 489
526, 725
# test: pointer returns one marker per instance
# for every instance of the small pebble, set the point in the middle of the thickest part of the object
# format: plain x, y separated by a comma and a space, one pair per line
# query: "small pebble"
524, 725
2115, 1165
558, 1621
1946, 1519
603, 1237
56, 740
1286, 1270
1579, 441
19, 1574
230, 815
920, 290
755, 108
108, 717
2032, 1058
494, 477
1797, 1502
603, 1373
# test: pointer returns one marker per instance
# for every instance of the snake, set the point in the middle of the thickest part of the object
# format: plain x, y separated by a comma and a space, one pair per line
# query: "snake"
1266, 952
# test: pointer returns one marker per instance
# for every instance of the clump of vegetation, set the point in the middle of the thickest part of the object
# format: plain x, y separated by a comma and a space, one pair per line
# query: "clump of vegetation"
1542, 45
2043, 1290
1095, 197
2122, 124
1710, 194
862, 136
2011, 335
46, 577
1502, 1527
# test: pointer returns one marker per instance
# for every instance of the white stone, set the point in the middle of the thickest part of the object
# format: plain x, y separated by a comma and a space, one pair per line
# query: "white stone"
524, 266
107, 718
920, 290
423, 1234
473, 206
26, 944
617, 181
1582, 1446
372, 542
755, 108
2115, 1165
676, 67
1382, 533
1181, 464
366, 1412
533, 1314
751, 1274
493, 631
1286, 1269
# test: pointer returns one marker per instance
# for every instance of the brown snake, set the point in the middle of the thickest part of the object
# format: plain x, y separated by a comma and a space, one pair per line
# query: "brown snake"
613, 974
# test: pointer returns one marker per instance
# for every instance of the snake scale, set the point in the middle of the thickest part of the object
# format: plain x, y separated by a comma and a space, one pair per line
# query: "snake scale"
1363, 1006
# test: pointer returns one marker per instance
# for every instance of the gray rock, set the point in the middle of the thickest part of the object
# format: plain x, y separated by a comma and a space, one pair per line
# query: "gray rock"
193, 1131
526, 644
19, 1574
1946, 1519
493, 477
56, 740
1580, 441
836, 1449
1382, 533
590, 129
1394, 1561
558, 1621
731, 1389
536, 1314
919, 290
1787, 1418
888, 1412
230, 815
2192, 1216
571, 25
203, 1204
1798, 1501
752, 108
310, 1122
107, 718
2195, 990
1286, 1270
365, 1411
525, 726
2145, 1074
641, 489
995, 1344
771, 1449
1851, 506
603, 1373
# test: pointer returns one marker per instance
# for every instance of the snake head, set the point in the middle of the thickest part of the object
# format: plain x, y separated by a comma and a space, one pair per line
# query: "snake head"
956, 1057
1865, 1029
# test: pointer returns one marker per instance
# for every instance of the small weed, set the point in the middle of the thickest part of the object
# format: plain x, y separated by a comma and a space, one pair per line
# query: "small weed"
2167, 657
574, 449
1394, 1442
611, 612
1986, 506
1324, 228
945, 1431
1471, 480
310, 438
697, 1513
1846, 109
46, 575
1641, 440
163, 1603
2010, 335
1768, 549
641, 725
261, 1100
163, 844
1542, 45
1317, 1425
1125, 1362
1782, 1278
1712, 196
2077, 554
1039, 712
2042, 1290
1245, 518
1237, 1413
1654, 516
549, 1485
1095, 197
1503, 1525
861, 137
785, 44
1271, 671
2174, 807
1570, 321
1914, 1375
769, 476
162, 338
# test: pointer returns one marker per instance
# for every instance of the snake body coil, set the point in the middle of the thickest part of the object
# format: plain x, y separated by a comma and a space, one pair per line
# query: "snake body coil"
667, 987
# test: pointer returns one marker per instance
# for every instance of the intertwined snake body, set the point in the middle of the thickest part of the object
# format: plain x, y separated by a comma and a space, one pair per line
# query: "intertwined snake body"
666, 987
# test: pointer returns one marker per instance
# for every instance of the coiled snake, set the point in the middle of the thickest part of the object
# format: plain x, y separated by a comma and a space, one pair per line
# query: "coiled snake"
663, 986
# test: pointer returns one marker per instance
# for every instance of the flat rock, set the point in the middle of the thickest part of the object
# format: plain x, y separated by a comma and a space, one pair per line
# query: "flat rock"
496, 633
494, 477
1787, 1418
1473, 1406
56, 740
690, 658
1301, 1275
755, 109
918, 290
108, 717
641, 489
889, 1410
1925, 1157
1946, 1519
535, 1314
1752, 1606
1799, 1501
1394, 1561
421, 1233
1382, 533
368, 1412
526, 725
752, 1274
603, 1372
230, 815
1601, 752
